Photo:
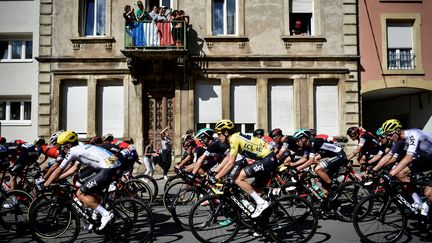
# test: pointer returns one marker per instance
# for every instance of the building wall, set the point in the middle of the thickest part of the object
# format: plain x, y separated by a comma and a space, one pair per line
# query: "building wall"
19, 79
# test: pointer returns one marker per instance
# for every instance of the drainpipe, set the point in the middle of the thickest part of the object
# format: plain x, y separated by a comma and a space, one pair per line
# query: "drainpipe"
359, 65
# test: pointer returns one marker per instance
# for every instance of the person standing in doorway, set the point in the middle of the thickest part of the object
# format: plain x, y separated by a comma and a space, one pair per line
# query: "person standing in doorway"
165, 155
148, 158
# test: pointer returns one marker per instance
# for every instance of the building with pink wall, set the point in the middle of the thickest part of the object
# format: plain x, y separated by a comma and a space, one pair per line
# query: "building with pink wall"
396, 62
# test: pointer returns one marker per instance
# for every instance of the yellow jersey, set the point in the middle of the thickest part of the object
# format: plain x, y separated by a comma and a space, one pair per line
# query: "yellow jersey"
251, 147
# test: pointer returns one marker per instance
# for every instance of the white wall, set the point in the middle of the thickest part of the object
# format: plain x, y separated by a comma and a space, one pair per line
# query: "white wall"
20, 79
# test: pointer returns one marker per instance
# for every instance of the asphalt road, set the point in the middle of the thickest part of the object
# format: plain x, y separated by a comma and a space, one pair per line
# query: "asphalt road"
166, 230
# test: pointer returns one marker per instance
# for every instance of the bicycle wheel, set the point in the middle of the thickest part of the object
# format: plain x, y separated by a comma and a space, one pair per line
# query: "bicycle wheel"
378, 218
170, 193
349, 194
133, 221
13, 210
171, 180
138, 189
293, 219
182, 205
150, 182
214, 220
54, 220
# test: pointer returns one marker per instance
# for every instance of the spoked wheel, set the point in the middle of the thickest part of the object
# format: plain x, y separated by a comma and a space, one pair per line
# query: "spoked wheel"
139, 190
14, 209
171, 180
293, 219
151, 182
54, 221
377, 218
133, 221
182, 205
213, 220
171, 192
350, 193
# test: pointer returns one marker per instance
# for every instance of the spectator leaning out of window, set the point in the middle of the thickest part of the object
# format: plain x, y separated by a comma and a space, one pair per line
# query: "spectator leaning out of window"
298, 28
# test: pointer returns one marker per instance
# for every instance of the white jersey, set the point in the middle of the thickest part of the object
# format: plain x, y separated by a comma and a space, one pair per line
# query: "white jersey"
90, 155
419, 142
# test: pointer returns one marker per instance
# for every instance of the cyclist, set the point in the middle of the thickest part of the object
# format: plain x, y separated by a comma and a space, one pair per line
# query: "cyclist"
283, 145
250, 147
109, 138
2, 140
319, 148
417, 158
101, 166
20, 155
368, 145
384, 145
54, 163
215, 151
189, 146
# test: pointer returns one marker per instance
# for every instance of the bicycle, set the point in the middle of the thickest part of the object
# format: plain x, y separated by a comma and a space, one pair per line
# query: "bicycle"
289, 218
383, 217
58, 218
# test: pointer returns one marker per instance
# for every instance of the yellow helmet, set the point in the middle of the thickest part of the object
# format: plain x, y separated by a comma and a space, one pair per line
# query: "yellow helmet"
67, 137
224, 125
390, 126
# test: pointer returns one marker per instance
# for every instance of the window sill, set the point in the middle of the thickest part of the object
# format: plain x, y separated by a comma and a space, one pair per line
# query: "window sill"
241, 40
303, 38
403, 72
15, 123
16, 60
78, 42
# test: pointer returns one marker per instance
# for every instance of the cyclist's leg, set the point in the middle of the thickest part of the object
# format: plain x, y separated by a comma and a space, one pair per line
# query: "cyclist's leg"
330, 165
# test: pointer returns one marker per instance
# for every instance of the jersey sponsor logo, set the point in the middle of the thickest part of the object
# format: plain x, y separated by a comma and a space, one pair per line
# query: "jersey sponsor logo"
110, 160
411, 140
91, 184
87, 158
257, 168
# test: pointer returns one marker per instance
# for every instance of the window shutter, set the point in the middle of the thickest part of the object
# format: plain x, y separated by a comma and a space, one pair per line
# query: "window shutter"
327, 109
281, 106
243, 96
399, 35
302, 6
208, 102
111, 110
75, 107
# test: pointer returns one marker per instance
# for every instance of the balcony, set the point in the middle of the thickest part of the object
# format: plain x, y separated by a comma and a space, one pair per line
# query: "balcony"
150, 35
401, 59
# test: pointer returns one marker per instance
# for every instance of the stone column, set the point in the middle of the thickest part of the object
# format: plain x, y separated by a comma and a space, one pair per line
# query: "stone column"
91, 106
226, 97
262, 101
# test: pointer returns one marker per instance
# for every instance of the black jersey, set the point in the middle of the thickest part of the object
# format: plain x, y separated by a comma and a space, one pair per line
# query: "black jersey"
324, 148
368, 143
216, 151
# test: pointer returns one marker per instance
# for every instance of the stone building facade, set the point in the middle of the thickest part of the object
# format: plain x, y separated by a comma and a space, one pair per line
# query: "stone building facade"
243, 61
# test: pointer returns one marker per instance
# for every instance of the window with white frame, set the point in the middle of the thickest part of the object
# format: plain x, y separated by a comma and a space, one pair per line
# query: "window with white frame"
281, 112
326, 114
15, 111
93, 17
159, 3
243, 105
74, 107
207, 103
224, 17
16, 50
301, 17
110, 100
400, 54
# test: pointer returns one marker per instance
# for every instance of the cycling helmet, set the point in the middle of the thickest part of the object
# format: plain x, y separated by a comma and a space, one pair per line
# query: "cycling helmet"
54, 136
390, 126
353, 130
223, 125
185, 137
19, 142
275, 132
39, 141
379, 132
258, 132
302, 133
189, 142
67, 137
204, 132
2, 140
109, 137
95, 140
312, 132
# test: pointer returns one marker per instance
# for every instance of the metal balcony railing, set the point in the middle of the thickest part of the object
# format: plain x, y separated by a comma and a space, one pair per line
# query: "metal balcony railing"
400, 59
148, 34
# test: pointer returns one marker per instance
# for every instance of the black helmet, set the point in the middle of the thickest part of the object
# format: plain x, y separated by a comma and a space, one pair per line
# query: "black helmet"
258, 132
353, 130
275, 132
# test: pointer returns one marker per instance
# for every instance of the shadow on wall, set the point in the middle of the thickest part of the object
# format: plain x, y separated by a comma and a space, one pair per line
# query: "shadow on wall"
413, 110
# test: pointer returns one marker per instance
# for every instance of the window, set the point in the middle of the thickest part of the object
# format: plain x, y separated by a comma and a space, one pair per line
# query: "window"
400, 54
74, 107
15, 111
111, 108
301, 17
243, 105
207, 103
281, 105
224, 17
159, 3
93, 17
16, 50
326, 98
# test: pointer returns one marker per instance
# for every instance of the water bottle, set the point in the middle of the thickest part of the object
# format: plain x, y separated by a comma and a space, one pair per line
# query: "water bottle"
248, 205
39, 183
318, 190
78, 202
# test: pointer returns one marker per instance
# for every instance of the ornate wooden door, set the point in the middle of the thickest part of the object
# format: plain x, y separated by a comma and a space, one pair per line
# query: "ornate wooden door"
160, 116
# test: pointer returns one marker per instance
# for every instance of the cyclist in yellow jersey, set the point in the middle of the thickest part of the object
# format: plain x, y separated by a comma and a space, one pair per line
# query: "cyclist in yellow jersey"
250, 147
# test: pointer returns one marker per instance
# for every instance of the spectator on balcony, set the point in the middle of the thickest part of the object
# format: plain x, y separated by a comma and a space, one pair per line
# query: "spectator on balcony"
129, 16
298, 29
154, 13
180, 20
141, 15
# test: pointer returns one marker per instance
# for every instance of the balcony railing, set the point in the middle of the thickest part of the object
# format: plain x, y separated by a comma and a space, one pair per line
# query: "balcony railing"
148, 34
401, 59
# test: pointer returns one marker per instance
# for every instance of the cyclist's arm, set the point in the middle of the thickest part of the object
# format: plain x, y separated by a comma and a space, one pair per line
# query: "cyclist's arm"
383, 162
199, 163
354, 153
374, 159
308, 163
301, 161
402, 164
70, 171
228, 166
54, 176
